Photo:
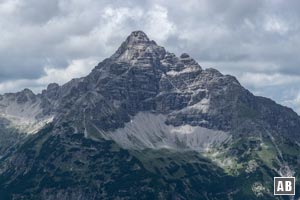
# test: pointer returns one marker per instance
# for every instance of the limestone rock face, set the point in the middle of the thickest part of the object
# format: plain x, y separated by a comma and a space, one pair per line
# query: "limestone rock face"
142, 76
139, 107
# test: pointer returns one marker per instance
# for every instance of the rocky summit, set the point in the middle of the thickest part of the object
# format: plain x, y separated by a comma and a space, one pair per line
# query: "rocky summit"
146, 124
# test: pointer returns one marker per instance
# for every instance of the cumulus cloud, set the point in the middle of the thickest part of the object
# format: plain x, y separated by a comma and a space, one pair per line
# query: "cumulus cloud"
76, 68
294, 102
259, 80
254, 40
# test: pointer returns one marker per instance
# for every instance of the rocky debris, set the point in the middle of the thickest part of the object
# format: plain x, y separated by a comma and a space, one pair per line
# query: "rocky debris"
251, 167
258, 189
286, 171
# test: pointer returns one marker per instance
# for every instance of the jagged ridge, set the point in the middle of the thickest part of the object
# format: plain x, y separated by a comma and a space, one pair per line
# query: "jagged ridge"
143, 79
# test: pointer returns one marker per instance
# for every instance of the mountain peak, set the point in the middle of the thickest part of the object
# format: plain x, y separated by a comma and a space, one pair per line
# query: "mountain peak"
144, 111
137, 37
136, 46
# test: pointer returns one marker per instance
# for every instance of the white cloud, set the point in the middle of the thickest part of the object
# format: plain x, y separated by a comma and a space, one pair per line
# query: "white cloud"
75, 69
8, 7
158, 24
255, 40
274, 24
259, 80
294, 103
16, 85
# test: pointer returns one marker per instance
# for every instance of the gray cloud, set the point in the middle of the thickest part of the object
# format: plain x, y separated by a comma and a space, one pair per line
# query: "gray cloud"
256, 40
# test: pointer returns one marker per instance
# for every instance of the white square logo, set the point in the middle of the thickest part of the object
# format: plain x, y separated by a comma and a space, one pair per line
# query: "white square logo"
284, 185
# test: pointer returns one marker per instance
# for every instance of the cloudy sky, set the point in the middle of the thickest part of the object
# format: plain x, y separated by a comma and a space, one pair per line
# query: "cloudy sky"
43, 41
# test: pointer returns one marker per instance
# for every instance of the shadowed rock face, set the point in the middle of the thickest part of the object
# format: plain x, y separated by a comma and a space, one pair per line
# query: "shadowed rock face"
142, 98
143, 77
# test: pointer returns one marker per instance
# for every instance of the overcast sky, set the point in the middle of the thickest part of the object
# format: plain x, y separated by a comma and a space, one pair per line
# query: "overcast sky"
44, 41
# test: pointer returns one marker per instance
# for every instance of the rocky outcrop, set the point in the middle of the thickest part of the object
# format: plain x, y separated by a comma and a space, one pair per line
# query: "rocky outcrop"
142, 76
127, 122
